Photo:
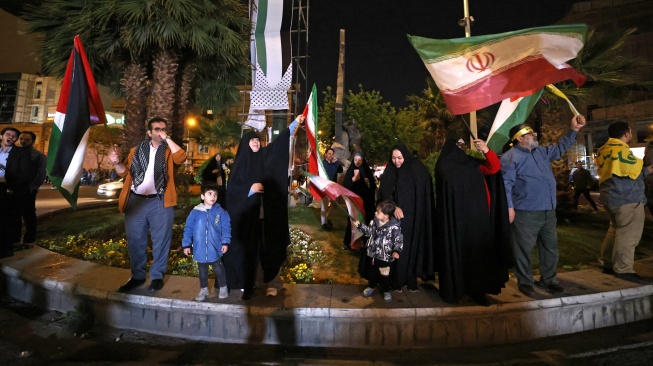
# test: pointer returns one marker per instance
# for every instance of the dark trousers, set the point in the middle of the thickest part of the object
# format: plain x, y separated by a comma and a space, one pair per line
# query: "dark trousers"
218, 271
28, 213
10, 219
375, 276
585, 192
531, 229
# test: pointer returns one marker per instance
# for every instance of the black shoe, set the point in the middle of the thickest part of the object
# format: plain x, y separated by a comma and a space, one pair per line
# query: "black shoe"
346, 247
247, 294
480, 299
326, 227
553, 288
329, 224
527, 290
131, 284
632, 277
607, 270
156, 285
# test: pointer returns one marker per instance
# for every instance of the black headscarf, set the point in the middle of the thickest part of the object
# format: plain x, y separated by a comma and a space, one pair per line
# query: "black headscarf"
365, 191
473, 252
411, 188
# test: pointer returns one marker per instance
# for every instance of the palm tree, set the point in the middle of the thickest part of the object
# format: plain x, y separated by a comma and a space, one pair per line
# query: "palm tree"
161, 49
219, 131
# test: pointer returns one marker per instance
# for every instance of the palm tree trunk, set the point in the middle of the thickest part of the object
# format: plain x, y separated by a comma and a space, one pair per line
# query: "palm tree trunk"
134, 84
183, 92
163, 88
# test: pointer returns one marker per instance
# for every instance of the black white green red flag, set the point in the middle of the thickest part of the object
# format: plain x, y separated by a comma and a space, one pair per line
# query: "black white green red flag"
79, 108
475, 72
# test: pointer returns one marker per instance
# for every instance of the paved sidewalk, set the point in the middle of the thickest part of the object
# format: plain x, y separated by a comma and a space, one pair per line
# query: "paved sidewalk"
325, 315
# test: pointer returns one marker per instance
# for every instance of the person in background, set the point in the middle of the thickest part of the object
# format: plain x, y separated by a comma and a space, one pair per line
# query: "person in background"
333, 168
28, 211
583, 182
16, 174
648, 180
214, 173
359, 179
621, 184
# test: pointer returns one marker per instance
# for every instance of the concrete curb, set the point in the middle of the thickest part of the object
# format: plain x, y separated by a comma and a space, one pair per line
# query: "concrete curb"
322, 315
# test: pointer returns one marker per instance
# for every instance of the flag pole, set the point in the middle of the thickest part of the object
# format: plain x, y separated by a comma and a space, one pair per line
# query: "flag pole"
341, 208
467, 23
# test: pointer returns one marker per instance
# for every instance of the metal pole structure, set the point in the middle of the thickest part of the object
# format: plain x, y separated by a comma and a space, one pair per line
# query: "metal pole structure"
340, 90
468, 33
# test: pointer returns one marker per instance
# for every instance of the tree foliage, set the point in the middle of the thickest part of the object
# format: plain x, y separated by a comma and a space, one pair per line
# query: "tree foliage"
380, 124
219, 131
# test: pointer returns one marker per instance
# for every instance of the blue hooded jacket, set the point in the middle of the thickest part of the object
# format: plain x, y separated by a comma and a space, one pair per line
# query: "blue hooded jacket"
207, 230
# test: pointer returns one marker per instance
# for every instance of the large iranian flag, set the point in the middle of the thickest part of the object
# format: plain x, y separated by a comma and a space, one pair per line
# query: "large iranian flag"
315, 166
79, 108
475, 72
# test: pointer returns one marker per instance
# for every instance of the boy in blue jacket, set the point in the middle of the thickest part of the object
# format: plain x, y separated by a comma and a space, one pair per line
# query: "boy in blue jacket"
208, 232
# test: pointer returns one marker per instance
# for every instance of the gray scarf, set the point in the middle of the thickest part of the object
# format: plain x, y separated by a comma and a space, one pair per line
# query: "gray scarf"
141, 160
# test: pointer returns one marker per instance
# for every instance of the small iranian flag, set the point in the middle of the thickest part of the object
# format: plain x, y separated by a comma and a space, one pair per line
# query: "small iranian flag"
315, 166
510, 114
79, 108
475, 72
333, 190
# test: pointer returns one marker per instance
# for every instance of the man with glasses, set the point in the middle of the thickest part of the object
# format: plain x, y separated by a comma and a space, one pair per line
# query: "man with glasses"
531, 195
149, 202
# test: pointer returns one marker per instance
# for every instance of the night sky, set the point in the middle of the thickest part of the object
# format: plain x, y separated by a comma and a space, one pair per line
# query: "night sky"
378, 55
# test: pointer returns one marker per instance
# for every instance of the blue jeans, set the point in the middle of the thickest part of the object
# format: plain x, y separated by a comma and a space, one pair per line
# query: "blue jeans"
531, 228
143, 215
218, 270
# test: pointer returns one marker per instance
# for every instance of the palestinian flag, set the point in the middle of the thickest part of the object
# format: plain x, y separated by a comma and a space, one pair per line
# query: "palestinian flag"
79, 108
333, 190
475, 72
315, 166
271, 54
510, 113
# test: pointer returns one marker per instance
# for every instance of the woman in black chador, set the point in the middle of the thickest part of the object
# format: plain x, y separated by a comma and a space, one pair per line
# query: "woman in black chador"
258, 179
473, 250
359, 179
408, 183
214, 174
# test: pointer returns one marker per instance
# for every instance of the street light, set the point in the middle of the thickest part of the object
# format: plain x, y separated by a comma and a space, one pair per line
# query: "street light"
190, 122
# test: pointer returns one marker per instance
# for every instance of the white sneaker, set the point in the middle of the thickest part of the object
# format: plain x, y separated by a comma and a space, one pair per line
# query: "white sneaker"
204, 292
224, 293
271, 291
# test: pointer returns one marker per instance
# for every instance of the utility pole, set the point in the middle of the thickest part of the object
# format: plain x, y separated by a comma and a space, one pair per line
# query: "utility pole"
467, 23
340, 90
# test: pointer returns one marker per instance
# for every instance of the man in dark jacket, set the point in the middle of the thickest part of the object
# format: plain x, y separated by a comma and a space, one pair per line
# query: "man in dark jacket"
15, 176
583, 181
39, 160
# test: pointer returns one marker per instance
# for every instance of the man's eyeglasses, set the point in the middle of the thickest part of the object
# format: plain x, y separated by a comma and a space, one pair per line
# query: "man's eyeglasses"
160, 129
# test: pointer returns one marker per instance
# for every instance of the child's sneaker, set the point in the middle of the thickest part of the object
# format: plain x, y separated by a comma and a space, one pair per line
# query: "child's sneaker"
204, 292
387, 297
224, 293
368, 292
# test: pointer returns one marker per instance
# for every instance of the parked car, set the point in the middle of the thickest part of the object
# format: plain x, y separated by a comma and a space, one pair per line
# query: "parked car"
110, 189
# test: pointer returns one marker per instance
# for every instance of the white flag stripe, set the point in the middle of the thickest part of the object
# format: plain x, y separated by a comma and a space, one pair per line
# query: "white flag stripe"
451, 73
73, 176
506, 109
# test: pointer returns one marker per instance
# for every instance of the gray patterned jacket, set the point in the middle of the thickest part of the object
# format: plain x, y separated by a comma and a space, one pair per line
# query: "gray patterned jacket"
384, 239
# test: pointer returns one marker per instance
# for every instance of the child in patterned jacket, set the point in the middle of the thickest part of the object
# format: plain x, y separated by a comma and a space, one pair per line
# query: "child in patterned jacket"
384, 245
